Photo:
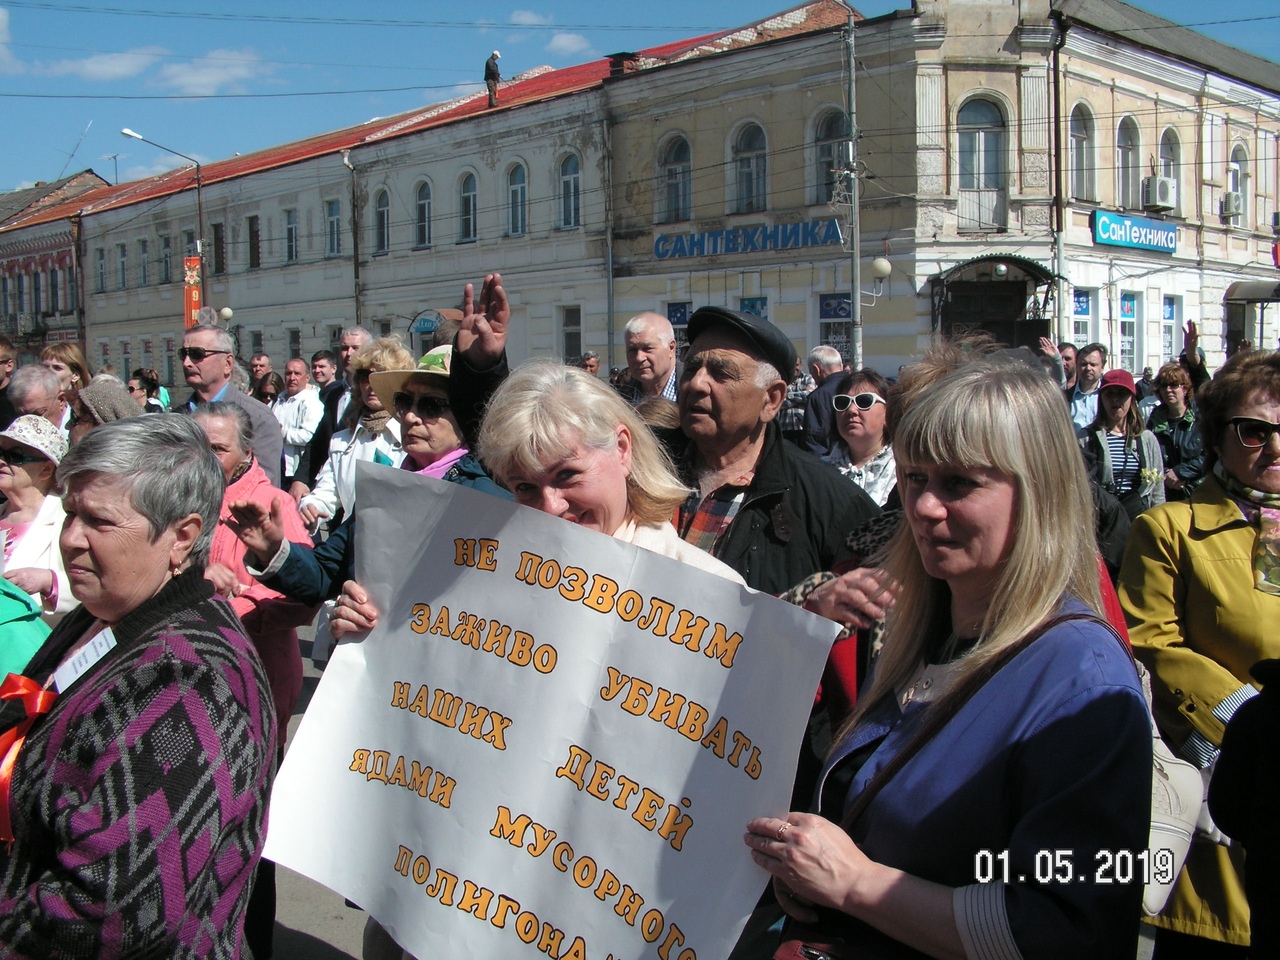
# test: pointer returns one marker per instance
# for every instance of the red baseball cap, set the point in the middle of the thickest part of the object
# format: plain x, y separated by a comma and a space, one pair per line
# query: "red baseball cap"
1118, 378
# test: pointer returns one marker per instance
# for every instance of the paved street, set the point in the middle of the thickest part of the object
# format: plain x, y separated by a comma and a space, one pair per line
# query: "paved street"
312, 922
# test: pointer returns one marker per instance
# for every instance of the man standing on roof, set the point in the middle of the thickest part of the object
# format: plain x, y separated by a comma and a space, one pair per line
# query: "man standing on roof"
492, 77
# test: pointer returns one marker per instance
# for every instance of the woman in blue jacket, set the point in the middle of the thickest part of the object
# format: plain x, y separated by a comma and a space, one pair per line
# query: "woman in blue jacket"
1000, 835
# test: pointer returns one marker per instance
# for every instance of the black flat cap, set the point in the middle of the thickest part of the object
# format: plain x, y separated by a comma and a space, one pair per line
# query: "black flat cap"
762, 334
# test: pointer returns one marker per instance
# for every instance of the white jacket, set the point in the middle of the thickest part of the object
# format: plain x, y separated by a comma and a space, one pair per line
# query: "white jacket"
39, 548
298, 417
336, 482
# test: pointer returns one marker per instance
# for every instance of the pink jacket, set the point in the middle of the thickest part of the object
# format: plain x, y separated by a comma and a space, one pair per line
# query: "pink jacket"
269, 618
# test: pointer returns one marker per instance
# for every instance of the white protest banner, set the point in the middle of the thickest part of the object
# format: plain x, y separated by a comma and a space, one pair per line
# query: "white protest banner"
551, 743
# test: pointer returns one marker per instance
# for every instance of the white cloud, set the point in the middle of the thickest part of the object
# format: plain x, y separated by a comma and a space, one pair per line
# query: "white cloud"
161, 163
8, 63
106, 66
568, 44
527, 18
217, 72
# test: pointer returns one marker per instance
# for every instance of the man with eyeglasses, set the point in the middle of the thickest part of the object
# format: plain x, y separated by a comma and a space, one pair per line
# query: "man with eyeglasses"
825, 366
208, 357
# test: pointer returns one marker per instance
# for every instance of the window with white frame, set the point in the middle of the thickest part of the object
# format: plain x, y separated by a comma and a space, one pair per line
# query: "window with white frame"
830, 138
422, 216
170, 360
1082, 312
122, 266
570, 192
1238, 183
571, 332
100, 270
677, 177
517, 201
1082, 175
1170, 325
126, 357
1130, 317
290, 236
467, 229
382, 222
982, 133
166, 261
143, 266
148, 361
750, 170
1128, 165
295, 343
333, 228
188, 243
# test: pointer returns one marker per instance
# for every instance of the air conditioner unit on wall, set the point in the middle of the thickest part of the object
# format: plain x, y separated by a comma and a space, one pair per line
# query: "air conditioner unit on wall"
1159, 193
1232, 204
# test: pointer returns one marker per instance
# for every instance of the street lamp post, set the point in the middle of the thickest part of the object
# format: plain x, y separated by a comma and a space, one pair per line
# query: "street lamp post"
199, 201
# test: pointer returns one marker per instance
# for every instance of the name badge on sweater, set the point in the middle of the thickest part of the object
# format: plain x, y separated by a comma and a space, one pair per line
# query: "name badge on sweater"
84, 659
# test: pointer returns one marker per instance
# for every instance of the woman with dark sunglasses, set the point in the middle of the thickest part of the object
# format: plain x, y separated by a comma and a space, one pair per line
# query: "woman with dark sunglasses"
1200, 586
863, 452
434, 445
268, 387
32, 516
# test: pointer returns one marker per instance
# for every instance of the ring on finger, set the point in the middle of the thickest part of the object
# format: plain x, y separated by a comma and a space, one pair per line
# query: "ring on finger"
782, 833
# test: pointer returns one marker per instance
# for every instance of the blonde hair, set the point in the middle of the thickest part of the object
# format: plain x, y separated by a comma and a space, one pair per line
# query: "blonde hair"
385, 353
1010, 418
545, 408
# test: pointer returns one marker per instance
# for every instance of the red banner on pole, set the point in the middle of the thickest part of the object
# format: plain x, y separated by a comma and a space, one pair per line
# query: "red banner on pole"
191, 292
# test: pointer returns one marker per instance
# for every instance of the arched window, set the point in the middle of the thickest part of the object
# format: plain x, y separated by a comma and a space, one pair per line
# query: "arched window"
830, 140
1082, 177
677, 173
749, 169
570, 192
382, 222
517, 201
422, 217
1234, 209
982, 166
467, 208
1128, 166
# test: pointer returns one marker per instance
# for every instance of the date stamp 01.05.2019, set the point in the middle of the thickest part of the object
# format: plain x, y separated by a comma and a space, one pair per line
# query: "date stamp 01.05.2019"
1061, 866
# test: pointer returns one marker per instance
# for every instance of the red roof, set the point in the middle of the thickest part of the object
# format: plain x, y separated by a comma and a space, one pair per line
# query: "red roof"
533, 86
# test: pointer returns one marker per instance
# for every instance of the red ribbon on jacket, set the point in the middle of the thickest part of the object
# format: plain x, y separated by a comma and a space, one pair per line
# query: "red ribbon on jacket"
36, 700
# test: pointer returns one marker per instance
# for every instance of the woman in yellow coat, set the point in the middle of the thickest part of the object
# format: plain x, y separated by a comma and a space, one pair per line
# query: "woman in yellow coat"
1200, 586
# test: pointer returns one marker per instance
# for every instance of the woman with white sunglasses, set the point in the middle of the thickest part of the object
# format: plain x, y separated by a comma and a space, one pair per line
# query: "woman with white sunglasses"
863, 453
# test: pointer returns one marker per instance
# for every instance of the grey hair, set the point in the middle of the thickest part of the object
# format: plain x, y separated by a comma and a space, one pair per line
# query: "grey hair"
766, 374
165, 465
25, 380
649, 321
826, 357
222, 339
356, 331
225, 410
107, 378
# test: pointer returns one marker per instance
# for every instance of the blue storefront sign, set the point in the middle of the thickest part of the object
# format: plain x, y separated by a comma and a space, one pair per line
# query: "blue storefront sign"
754, 239
1143, 233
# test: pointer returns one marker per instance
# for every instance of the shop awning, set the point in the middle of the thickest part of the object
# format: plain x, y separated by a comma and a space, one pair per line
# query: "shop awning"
1253, 291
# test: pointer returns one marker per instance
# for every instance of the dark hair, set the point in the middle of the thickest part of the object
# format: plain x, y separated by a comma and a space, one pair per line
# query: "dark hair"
877, 382
272, 379
322, 355
1064, 345
1093, 348
1246, 373
149, 380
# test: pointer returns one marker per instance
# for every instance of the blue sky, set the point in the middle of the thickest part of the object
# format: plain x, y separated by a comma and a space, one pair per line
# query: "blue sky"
216, 78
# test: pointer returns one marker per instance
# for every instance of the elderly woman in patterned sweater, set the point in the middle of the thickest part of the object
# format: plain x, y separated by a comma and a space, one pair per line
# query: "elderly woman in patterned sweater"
137, 749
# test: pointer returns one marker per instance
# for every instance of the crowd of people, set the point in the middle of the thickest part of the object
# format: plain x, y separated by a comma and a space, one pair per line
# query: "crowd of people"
1009, 541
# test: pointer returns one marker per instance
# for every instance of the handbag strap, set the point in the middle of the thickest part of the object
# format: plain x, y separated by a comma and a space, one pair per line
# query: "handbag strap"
941, 713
